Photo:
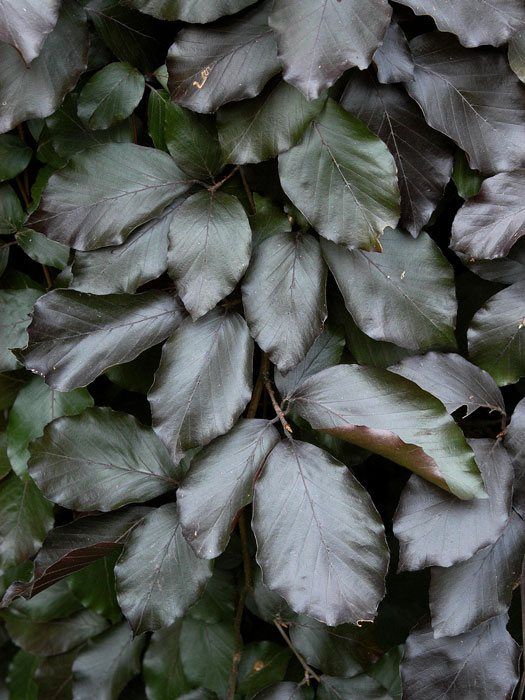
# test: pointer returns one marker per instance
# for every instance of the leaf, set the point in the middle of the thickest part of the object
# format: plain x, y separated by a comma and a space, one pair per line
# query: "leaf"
265, 126
54, 676
192, 141
25, 519
495, 336
485, 103
104, 193
190, 407
72, 547
222, 63
75, 336
517, 54
110, 95
162, 666
404, 295
188, 10
42, 249
423, 157
11, 213
386, 672
28, 92
325, 352
320, 514
17, 305
220, 482
475, 22
267, 220
94, 586
392, 58
503, 270
389, 415
319, 41
284, 296
206, 653
478, 589
340, 160
361, 686
262, 663
217, 603
125, 268
100, 460
14, 154
282, 691
435, 528
489, 224
484, 659
467, 181
35, 406
453, 380
106, 664
20, 678
158, 575
209, 249
26, 29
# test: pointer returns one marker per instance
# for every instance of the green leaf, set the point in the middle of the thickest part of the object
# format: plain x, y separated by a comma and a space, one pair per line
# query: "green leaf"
42, 249
35, 406
284, 296
495, 336
262, 663
517, 54
75, 336
94, 586
209, 249
188, 405
269, 124
207, 652
192, 141
106, 664
26, 517
435, 528
267, 220
17, 305
100, 460
104, 193
14, 155
188, 10
11, 213
5, 465
110, 95
37, 90
20, 678
158, 102
320, 514
162, 666
319, 41
158, 575
218, 600
404, 295
467, 181
223, 63
386, 672
340, 161
54, 676
220, 482
389, 415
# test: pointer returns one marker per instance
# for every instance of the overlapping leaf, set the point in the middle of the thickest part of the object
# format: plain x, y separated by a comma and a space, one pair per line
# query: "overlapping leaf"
26, 28
189, 10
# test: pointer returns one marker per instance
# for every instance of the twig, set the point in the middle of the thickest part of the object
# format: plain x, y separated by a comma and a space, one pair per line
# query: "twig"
276, 407
257, 389
308, 671
248, 191
49, 281
220, 183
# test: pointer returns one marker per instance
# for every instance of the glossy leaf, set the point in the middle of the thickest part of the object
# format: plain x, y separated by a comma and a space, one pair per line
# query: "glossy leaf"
467, 181
158, 574
42, 249
220, 482
27, 28
230, 61
17, 305
475, 22
35, 406
284, 296
94, 586
392, 58
294, 523
496, 332
404, 295
209, 249
319, 41
267, 220
104, 193
14, 155
517, 54
261, 664
75, 336
20, 678
27, 92
282, 691
453, 380
489, 224
162, 666
484, 659
110, 95
188, 405
393, 417
483, 115
100, 460
361, 686
188, 10
436, 529
206, 653
261, 128
423, 157
340, 160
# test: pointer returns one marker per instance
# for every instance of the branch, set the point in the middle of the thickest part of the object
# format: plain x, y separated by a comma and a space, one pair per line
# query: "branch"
276, 407
213, 188
308, 671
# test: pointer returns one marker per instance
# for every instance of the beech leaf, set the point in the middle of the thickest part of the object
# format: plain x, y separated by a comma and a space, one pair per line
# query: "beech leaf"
27, 28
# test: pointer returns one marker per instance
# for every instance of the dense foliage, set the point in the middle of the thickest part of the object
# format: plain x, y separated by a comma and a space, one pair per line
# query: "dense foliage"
262, 349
